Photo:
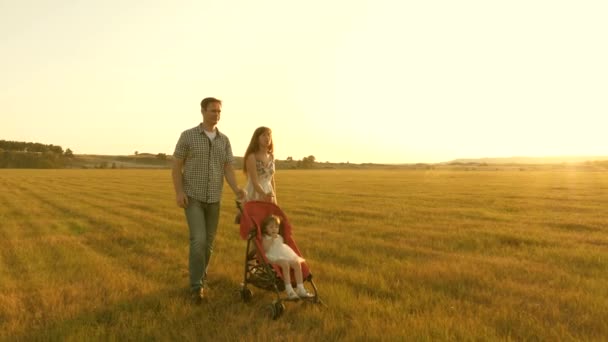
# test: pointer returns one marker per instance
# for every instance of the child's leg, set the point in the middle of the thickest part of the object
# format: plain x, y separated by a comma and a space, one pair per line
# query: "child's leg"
286, 274
297, 270
301, 290
287, 278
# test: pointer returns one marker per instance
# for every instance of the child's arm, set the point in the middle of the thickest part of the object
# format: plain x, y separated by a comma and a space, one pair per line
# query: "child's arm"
266, 242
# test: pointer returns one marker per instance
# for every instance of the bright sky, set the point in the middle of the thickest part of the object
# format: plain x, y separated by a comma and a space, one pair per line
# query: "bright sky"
361, 81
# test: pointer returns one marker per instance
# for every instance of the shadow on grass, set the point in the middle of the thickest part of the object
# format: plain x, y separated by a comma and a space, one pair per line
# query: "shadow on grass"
169, 314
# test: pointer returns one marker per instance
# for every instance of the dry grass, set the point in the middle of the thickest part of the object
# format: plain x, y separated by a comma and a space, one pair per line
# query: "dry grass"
416, 255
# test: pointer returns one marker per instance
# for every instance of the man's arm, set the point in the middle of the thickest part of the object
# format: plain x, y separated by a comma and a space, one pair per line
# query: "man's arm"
176, 172
231, 179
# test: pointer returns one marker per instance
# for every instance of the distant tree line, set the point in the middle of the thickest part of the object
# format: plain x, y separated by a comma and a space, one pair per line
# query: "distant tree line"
18, 146
305, 163
17, 154
289, 163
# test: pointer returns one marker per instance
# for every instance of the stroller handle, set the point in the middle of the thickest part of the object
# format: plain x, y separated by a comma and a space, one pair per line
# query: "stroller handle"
239, 213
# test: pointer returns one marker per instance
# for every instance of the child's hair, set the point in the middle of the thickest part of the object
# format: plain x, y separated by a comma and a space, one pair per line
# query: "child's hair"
254, 144
268, 220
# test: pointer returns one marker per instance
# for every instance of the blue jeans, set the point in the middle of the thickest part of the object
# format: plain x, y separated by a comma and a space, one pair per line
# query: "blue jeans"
202, 221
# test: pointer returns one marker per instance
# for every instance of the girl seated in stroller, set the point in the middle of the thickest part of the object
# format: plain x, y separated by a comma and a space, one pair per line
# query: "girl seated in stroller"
268, 263
279, 253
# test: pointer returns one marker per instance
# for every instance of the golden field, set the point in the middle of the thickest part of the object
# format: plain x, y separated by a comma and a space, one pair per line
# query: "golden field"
396, 255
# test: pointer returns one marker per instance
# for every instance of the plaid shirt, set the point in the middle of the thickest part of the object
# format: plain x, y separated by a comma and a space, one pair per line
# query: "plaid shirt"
204, 160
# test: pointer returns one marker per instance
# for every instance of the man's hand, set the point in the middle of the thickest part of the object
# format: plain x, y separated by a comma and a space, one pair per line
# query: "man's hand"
181, 199
240, 194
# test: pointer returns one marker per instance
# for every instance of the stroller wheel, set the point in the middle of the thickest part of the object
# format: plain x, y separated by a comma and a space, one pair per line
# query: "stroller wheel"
276, 309
280, 307
274, 314
246, 294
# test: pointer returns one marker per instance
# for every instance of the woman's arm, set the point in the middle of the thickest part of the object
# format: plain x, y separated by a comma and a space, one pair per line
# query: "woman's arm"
274, 188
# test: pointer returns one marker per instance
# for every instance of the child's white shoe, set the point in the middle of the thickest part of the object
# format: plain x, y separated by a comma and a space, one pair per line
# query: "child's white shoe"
292, 295
302, 293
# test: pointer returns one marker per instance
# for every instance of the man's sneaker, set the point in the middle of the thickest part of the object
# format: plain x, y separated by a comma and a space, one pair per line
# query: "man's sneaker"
197, 296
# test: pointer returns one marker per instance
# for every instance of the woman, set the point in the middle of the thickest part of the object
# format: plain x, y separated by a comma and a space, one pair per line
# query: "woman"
258, 165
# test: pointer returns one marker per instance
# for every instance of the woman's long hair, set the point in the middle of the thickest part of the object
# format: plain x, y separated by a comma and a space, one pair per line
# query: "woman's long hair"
254, 144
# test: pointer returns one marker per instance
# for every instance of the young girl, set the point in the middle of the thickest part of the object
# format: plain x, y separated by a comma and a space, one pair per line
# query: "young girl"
258, 165
277, 252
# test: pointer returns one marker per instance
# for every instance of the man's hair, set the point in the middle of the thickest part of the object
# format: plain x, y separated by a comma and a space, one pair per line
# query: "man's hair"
207, 100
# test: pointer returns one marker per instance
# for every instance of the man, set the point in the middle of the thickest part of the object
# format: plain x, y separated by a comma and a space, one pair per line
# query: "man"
202, 158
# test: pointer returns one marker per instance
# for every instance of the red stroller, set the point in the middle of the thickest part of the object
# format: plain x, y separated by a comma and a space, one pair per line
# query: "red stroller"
258, 271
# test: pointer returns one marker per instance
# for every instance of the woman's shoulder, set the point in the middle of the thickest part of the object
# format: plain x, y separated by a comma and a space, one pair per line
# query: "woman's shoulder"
251, 158
254, 158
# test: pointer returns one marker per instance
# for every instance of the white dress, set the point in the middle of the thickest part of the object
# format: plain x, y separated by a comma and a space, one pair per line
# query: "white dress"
265, 173
277, 250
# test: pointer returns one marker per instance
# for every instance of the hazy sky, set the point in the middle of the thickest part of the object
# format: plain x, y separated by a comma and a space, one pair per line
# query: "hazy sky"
360, 81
